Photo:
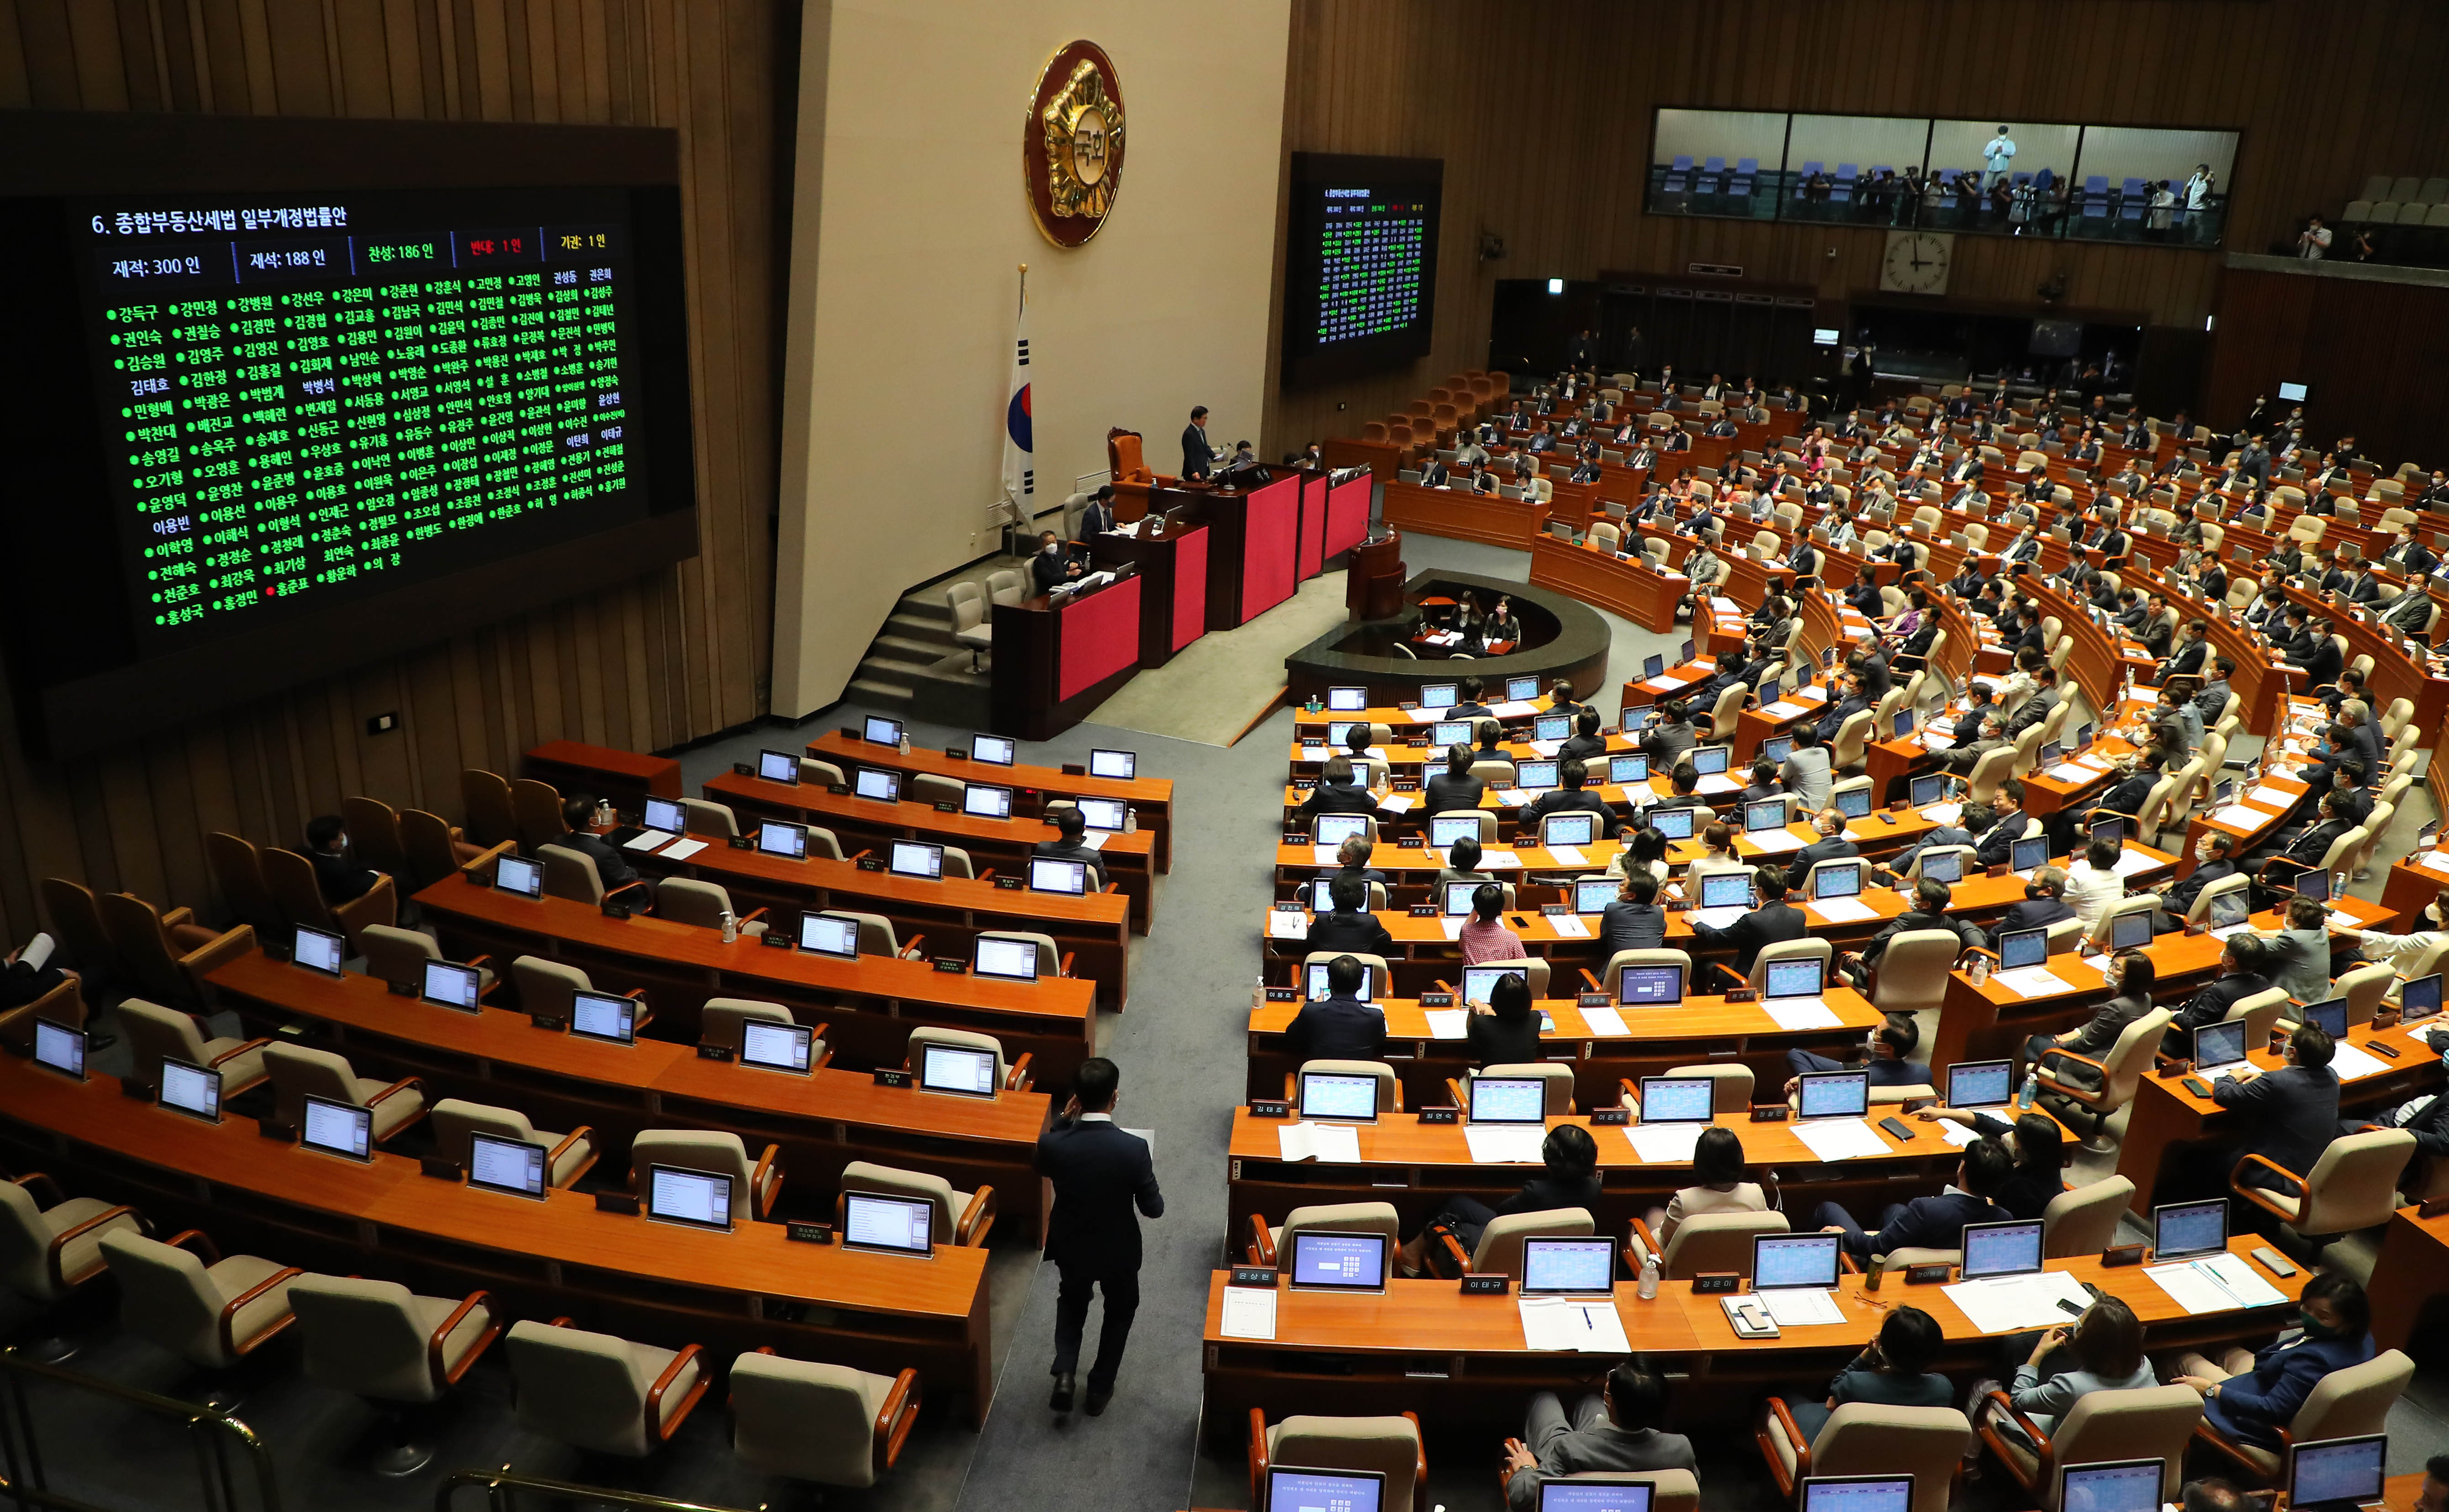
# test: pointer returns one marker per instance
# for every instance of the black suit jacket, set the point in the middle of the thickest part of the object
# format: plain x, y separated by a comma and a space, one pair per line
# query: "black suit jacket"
1996, 846
2187, 659
21, 984
1355, 933
2292, 1114
1763, 926
1446, 793
2181, 896
1929, 1223
1096, 519
2032, 913
1337, 797
1105, 1180
610, 865
2127, 796
1916, 919
1337, 1029
1571, 800
2209, 1005
1197, 455
1061, 852
1832, 848
341, 879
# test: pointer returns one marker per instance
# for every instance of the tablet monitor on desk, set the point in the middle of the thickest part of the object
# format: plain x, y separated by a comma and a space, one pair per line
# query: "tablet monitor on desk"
1590, 1493
1904, 724
771, 1046
1710, 760
1833, 1095
876, 783
2019, 948
2083, 738
1012, 960
2337, 1475
1447, 828
783, 839
1325, 1259
1634, 720
1327, 1490
512, 1167
338, 1128
995, 750
1321, 894
1799, 978
1675, 823
319, 950
1338, 731
1568, 829
602, 1016
451, 985
2181, 1229
1856, 1493
1507, 1100
1678, 1100
1536, 776
1567, 1265
1725, 889
2332, 1014
1763, 813
1854, 803
518, 876
882, 731
1927, 791
1649, 986
698, 1199
2217, 1046
1943, 866
1480, 981
1459, 896
917, 858
1980, 1083
778, 766
2111, 828
666, 815
891, 1225
1106, 813
2112, 1485
1552, 727
2130, 930
2313, 883
1840, 879
1438, 695
829, 934
985, 800
2001, 1249
1334, 829
1632, 766
189, 1088
60, 1047
2049, 756
1314, 975
1778, 748
1521, 690
2029, 855
1451, 733
957, 1069
1122, 766
1338, 1097
1348, 700
2420, 998
1593, 894
1794, 1259
1654, 665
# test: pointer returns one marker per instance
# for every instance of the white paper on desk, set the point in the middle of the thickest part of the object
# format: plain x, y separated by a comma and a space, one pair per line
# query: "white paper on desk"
1704, 663
1285, 924
1664, 1143
2267, 794
1513, 797
1504, 1144
1325, 855
1662, 685
681, 850
1314, 753
1802, 1013
1452, 924
2237, 1279
1514, 709
1546, 748
2004, 1304
2031, 981
1567, 855
1425, 716
1958, 1133
1783, 710
1937, 739
2072, 772
2129, 862
2351, 1062
1797, 1306
1560, 1325
1841, 1138
1398, 802
1249, 1313
2190, 1288
1604, 1021
1448, 1023
1775, 842
1095, 840
1844, 911
1720, 604
1943, 812
644, 840
2437, 860
2095, 762
1714, 918
1494, 860
1570, 926
2239, 816
1340, 1143
2224, 930
1717, 782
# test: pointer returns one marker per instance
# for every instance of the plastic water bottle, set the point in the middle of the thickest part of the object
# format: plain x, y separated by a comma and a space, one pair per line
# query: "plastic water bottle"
1648, 1278
1131, 820
2029, 1090
730, 928
1979, 971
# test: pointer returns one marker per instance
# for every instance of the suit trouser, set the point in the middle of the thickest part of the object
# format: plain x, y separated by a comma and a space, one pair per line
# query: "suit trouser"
1857, 1243
1071, 1320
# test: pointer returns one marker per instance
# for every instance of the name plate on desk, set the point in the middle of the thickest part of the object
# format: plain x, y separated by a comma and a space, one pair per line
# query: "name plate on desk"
549, 1020
275, 1129
809, 1232
1411, 842
615, 908
475, 879
1716, 1283
1406, 784
1769, 1111
134, 1090
1270, 1108
839, 790
621, 1203
741, 842
1296, 837
1930, 1274
1487, 1285
1590, 1000
1011, 884
851, 732
1555, 911
1743, 995
401, 990
871, 863
1304, 784
950, 965
1283, 994
1437, 1000
1253, 1275
959, 752
1423, 910
775, 940
1073, 769
714, 1052
744, 769
439, 1170
1441, 1115
888, 1076
947, 808
2117, 1255
1603, 1117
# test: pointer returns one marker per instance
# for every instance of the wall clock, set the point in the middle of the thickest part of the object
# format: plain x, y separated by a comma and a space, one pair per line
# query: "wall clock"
1917, 263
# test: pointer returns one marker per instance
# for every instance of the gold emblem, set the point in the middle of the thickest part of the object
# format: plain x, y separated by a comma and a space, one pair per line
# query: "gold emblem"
1074, 150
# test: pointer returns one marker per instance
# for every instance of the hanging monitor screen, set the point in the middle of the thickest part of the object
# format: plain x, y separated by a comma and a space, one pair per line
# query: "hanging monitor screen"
1361, 270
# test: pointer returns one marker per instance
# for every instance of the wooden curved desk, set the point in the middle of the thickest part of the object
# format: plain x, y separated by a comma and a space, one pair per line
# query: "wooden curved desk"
822, 1120
657, 1283
1151, 797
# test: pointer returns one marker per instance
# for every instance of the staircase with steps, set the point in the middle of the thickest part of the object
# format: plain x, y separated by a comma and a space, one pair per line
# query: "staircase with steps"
914, 666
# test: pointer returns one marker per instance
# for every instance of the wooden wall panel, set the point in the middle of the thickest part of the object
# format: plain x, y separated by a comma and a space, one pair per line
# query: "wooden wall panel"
645, 664
1542, 117
2358, 343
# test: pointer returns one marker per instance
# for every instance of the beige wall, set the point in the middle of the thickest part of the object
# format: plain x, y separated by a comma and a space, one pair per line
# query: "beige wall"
910, 222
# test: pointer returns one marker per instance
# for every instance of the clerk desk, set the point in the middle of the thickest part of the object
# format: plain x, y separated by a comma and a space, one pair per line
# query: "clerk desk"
822, 1120
1033, 785
657, 1283
873, 1003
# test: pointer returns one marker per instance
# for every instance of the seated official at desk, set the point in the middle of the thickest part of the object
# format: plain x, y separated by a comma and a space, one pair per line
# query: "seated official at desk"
1463, 863
1717, 855
1586, 741
1503, 1030
1070, 825
2102, 1351
1350, 926
338, 875
1352, 860
1468, 689
1774, 921
1932, 899
1571, 798
2214, 859
2251, 1396
2044, 904
1721, 1183
1052, 567
2243, 959
1644, 853
1097, 516
1808, 772
612, 868
1454, 790
1887, 1052
1336, 793
1613, 1432
1634, 921
2039, 1148
2093, 882
2300, 954
28, 974
2130, 977
2290, 1115
1831, 845
1484, 936
1339, 1027
1671, 735
1571, 1179
1892, 1370
1958, 832
1931, 1223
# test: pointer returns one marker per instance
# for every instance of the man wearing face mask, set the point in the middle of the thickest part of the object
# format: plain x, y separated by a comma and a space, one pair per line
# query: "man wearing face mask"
1049, 569
2130, 976
2249, 1397
2291, 1115
338, 874
2215, 858
1884, 1050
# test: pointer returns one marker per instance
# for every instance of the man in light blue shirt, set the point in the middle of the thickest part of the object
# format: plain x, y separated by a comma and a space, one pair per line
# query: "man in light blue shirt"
1999, 155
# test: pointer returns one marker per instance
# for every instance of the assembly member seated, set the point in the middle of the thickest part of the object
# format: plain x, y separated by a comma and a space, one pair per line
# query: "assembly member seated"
2250, 1397
1570, 798
338, 875
1454, 790
612, 868
1351, 926
1931, 1223
1569, 1179
1774, 921
1336, 793
1070, 825
1886, 1051
1339, 1027
1616, 1430
2291, 1115
1893, 1371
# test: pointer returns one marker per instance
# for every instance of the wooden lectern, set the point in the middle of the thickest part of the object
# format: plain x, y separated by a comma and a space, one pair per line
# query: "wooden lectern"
1373, 577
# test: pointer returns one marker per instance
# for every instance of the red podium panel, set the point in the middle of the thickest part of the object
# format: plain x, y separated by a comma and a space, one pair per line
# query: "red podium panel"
1347, 516
1267, 577
1100, 636
1313, 524
1190, 588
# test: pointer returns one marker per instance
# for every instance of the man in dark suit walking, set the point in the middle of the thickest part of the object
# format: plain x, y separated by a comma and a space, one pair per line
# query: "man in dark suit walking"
1198, 457
1100, 1173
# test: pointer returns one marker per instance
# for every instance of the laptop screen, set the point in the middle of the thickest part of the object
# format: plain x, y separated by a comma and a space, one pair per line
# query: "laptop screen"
1338, 731
1943, 866
1447, 828
1592, 895
1710, 760
319, 951
1783, 746
778, 766
1334, 829
2332, 1014
1508, 1099
871, 1220
874, 782
1568, 829
995, 750
1013, 960
2029, 853
958, 1069
2126, 1486
1052, 875
2019, 948
2048, 755
2130, 930
1834, 1094
1678, 1100
602, 1016
1326, 1490
2182, 1229
1335, 1095
1632, 767
1649, 986
2112, 828
986, 800
1552, 727
513, 1167
338, 1128
1584, 1493
2218, 1045
517, 874
1535, 775
1676, 824
1766, 814
1315, 975
1568, 1266
1120, 765
693, 1197
1438, 695
451, 985
1853, 802
2313, 884
1794, 979
2337, 1473
1340, 1262
917, 858
882, 731
1794, 1259
1478, 981
1841, 879
2001, 1249
790, 841
776, 1046
1726, 890
829, 934
1684, 653
1980, 1083
192, 1089
1904, 724
1348, 700
2420, 998
1519, 689
666, 815
1927, 791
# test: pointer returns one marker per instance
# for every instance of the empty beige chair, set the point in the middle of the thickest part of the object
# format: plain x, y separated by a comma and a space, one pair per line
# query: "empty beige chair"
434, 848
1789, 950
1390, 1445
717, 1153
685, 900
1500, 1250
47, 1253
393, 954
2064, 935
1555, 1079
546, 987
379, 1339
814, 1421
1272, 1244
1011, 1076
300, 1072
598, 1393
155, 1032
63, 1005
2120, 1073
1007, 587
961, 1217
1390, 1091
566, 1157
492, 817
875, 932
813, 772
166, 955
2260, 1013
1731, 1090
537, 807
2343, 1404
210, 1312
721, 1021
2084, 1221
707, 817
2150, 1423
1704, 1241
291, 876
970, 625
2354, 1185
1861, 1438
375, 836
237, 871
1913, 970
1613, 978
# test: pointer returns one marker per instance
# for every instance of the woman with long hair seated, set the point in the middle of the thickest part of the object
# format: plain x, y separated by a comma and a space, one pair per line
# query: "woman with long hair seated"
1571, 1179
